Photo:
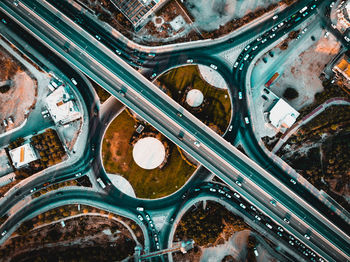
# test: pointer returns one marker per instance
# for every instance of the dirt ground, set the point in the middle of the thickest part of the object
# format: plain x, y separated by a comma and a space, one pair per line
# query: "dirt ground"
306, 69
18, 101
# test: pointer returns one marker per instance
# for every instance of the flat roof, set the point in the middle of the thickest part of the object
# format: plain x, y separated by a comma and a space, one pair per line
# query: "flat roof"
344, 67
283, 115
22, 155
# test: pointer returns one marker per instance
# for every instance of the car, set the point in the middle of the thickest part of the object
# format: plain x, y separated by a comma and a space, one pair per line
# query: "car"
246, 57
74, 81
326, 34
197, 143
305, 14
347, 39
304, 30
230, 128
292, 181
332, 4
212, 189
78, 174
241, 67
118, 52
98, 37
273, 202
3, 233
291, 243
153, 75
246, 48
15, 3
275, 17
254, 48
238, 183
274, 29
286, 220
312, 7
240, 95
264, 97
152, 54
236, 195
10, 120
258, 218
259, 39
179, 114
221, 192
33, 190
228, 195
140, 217
157, 246
281, 24
5, 123
279, 234
4, 21
280, 228
266, 91
268, 225
235, 65
334, 26
307, 236
253, 208
213, 66
246, 120
242, 206
264, 40
273, 35
291, 237
140, 209
189, 61
155, 237
196, 189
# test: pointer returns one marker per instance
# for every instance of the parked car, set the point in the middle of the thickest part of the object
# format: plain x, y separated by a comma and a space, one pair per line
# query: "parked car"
213, 66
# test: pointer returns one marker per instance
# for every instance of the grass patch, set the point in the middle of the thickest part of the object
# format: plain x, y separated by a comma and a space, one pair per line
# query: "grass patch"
117, 159
217, 109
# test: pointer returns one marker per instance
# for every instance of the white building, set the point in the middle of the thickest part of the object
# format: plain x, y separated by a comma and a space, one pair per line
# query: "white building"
22, 155
62, 109
282, 116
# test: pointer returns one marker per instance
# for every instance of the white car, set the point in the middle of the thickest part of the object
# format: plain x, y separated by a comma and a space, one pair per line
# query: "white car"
235, 65
140, 217
246, 48
236, 195
228, 195
264, 40
275, 17
274, 29
78, 174
197, 144
118, 52
293, 181
246, 120
140, 209
259, 39
254, 48
246, 57
230, 128
213, 66
3, 233
281, 24
240, 95
307, 236
268, 225
238, 183
258, 218
189, 61
212, 189
32, 190
272, 36
153, 75
98, 37
334, 26
242, 206
347, 39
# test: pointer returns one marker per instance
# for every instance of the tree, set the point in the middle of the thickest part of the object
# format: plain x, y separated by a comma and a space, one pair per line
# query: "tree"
290, 93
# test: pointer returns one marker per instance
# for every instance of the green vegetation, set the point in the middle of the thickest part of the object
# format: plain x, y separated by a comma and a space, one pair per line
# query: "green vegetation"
118, 159
290, 93
33, 243
82, 181
326, 164
216, 111
207, 226
102, 94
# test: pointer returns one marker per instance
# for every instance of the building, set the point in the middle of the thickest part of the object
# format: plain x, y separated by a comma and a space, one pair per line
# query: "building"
342, 67
61, 106
137, 11
23, 155
282, 116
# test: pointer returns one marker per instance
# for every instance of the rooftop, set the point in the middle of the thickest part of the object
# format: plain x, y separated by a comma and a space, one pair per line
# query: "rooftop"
282, 116
343, 67
22, 155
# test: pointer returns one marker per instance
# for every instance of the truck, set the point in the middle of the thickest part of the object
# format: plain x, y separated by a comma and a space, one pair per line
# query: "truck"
272, 79
99, 180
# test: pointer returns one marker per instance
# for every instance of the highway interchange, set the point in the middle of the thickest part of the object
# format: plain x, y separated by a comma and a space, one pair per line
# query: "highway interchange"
249, 173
